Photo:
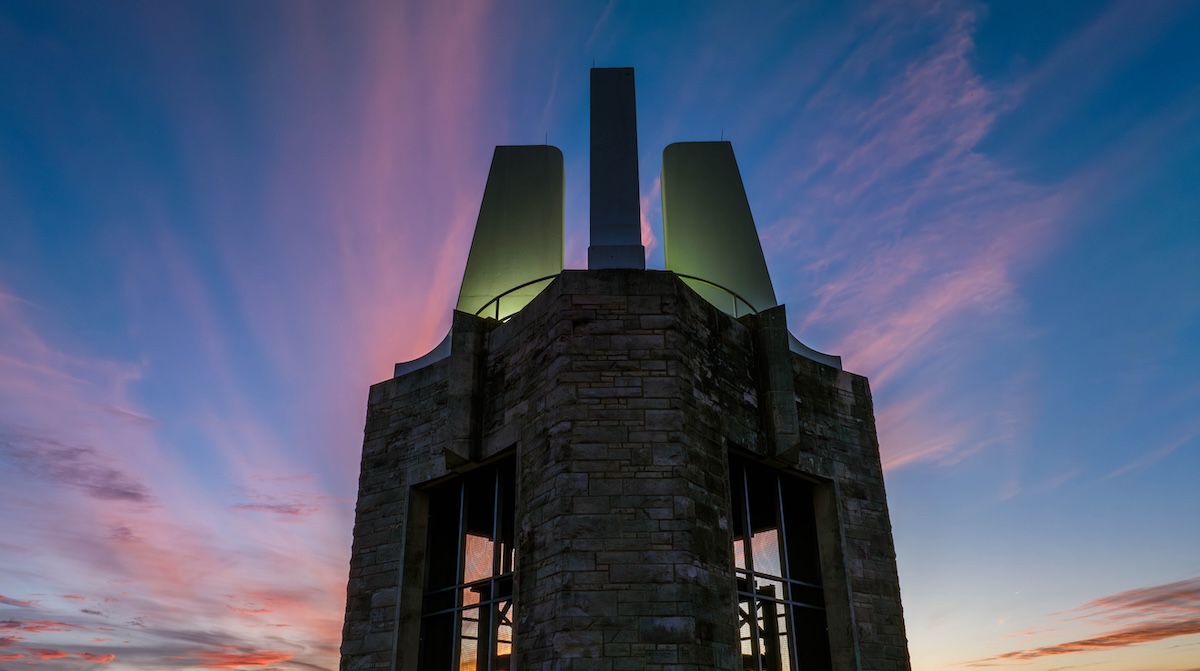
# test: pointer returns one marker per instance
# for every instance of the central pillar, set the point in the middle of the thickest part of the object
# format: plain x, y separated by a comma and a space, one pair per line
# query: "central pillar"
616, 222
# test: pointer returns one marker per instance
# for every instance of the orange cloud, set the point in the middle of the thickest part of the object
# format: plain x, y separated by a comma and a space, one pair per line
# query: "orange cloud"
1147, 633
97, 658
1178, 598
1159, 612
44, 654
230, 657
11, 657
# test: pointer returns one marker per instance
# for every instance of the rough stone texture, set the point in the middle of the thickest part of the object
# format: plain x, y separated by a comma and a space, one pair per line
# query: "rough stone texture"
621, 394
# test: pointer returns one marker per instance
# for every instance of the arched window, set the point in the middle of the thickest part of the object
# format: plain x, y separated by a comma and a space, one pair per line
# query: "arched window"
468, 615
781, 601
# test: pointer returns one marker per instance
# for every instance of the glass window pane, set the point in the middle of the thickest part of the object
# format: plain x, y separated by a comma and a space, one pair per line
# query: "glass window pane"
765, 546
470, 595
507, 519
468, 642
812, 639
477, 558
437, 641
804, 557
504, 588
439, 600
772, 643
471, 554
781, 628
444, 521
777, 571
738, 496
480, 487
768, 589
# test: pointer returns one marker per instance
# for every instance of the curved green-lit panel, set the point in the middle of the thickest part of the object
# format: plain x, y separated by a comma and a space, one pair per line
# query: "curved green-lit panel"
708, 231
519, 234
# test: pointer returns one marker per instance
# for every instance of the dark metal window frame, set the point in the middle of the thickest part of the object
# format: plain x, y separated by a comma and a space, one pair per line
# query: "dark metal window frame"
753, 599
494, 590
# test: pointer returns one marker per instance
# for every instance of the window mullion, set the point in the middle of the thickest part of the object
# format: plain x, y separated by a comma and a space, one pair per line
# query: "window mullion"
751, 587
789, 589
456, 632
493, 621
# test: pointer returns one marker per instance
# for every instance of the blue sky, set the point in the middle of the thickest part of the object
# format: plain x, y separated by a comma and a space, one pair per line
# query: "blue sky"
220, 222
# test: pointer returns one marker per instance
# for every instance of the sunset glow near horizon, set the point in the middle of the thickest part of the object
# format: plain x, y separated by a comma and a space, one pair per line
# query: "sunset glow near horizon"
220, 222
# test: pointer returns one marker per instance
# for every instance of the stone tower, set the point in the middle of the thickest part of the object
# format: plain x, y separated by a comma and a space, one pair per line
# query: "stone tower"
618, 469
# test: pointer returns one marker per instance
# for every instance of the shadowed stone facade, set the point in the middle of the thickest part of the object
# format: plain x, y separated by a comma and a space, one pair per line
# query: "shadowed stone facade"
621, 395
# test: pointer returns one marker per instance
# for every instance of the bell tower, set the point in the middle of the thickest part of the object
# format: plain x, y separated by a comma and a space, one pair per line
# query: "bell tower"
620, 468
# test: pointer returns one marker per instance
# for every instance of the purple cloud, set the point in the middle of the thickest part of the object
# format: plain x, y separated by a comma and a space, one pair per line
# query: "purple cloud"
81, 468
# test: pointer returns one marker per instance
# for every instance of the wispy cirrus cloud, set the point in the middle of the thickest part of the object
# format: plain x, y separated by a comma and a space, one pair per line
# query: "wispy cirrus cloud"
1154, 455
285, 509
38, 626
111, 536
1142, 615
280, 497
931, 234
81, 468
904, 241
15, 602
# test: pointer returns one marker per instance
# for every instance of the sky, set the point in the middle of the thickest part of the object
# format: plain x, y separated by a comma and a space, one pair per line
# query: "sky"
220, 222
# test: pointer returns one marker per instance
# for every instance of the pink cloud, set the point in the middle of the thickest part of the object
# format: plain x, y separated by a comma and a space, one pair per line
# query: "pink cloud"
648, 202
47, 654
1176, 599
140, 550
97, 658
15, 602
922, 278
38, 626
230, 657
286, 509
923, 271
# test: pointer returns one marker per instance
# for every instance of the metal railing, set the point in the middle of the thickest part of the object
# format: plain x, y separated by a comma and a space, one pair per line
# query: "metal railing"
496, 300
736, 297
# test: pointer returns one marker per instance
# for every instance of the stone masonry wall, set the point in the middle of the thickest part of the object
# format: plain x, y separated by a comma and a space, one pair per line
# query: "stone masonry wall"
621, 394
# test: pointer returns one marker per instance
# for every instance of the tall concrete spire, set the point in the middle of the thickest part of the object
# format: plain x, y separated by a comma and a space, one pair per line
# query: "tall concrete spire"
616, 225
